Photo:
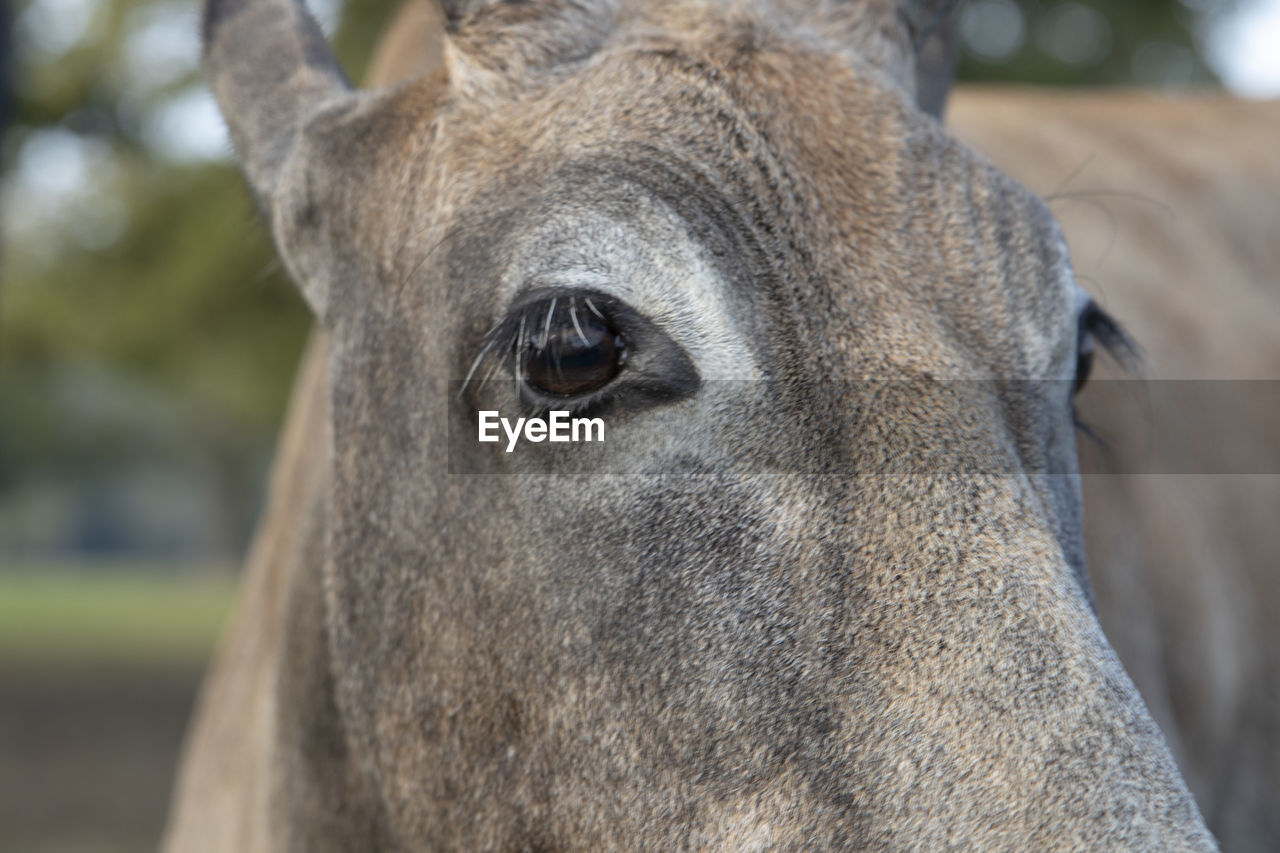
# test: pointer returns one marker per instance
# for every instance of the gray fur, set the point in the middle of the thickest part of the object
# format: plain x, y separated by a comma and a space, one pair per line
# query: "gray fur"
717, 649
1170, 215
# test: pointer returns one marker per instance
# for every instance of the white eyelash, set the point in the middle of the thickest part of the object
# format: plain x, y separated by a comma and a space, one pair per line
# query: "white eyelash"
517, 337
546, 328
519, 350
573, 315
474, 364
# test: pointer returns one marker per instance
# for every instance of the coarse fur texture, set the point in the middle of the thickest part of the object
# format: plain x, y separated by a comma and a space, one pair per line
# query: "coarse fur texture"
708, 646
1171, 206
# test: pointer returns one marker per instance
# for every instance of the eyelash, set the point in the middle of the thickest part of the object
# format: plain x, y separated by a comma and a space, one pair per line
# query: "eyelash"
517, 333
1110, 336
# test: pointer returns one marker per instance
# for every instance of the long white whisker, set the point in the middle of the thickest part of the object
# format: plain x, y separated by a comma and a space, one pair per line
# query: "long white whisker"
573, 315
592, 306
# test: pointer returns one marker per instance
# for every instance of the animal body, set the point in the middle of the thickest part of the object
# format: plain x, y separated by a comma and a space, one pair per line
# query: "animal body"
826, 588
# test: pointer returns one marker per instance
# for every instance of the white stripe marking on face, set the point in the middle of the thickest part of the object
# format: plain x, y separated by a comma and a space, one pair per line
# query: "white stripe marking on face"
649, 262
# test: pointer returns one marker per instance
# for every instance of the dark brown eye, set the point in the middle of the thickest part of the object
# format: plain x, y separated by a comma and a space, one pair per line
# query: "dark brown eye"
573, 352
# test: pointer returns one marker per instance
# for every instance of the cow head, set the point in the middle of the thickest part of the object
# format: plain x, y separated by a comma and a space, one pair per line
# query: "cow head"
822, 583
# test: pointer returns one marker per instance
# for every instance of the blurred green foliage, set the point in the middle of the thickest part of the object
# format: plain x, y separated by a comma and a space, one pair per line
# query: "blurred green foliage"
148, 337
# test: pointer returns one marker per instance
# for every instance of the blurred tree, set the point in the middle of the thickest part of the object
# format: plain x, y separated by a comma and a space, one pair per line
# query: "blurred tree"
1085, 42
135, 272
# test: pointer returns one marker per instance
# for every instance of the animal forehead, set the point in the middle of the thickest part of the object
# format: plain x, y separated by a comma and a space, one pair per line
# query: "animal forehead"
779, 129
723, 100
818, 155
845, 196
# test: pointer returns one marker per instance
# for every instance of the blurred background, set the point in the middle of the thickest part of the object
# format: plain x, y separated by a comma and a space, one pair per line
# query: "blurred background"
148, 340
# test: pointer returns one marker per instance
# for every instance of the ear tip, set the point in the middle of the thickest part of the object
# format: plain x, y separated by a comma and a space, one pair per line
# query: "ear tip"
456, 10
216, 12
934, 38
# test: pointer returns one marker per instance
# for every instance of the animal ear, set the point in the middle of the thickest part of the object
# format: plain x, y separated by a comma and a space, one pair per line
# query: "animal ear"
455, 10
931, 27
274, 77
913, 41
515, 39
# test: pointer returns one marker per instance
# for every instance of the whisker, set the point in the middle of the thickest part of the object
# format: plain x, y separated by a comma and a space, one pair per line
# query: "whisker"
1127, 195
272, 267
460, 228
592, 306
1072, 175
1113, 222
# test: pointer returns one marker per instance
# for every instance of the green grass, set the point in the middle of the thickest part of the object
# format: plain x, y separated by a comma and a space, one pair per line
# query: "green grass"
111, 616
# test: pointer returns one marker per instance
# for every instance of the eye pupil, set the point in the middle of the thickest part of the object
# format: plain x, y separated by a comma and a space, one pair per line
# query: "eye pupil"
577, 352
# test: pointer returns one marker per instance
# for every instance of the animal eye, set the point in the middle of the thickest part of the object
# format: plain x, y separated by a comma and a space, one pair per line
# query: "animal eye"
574, 352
